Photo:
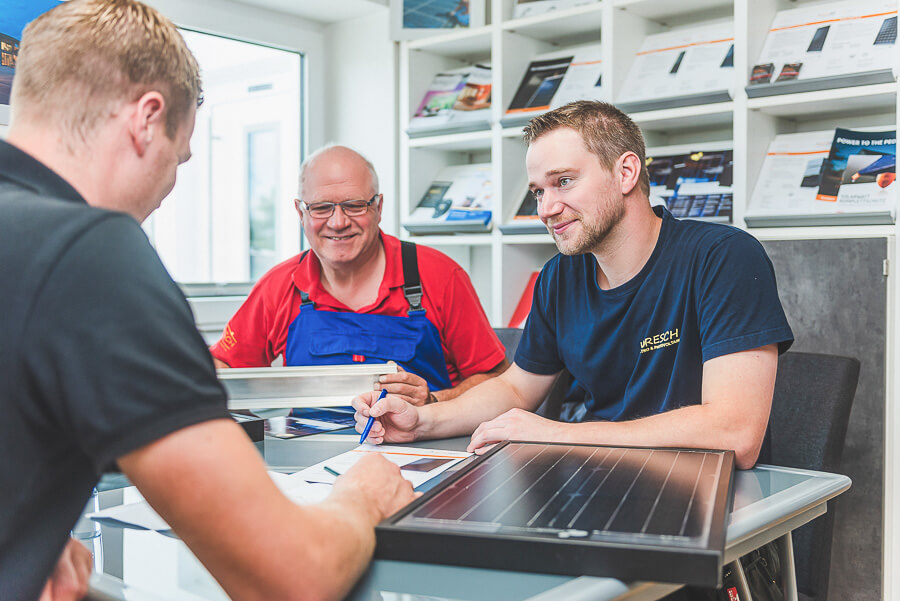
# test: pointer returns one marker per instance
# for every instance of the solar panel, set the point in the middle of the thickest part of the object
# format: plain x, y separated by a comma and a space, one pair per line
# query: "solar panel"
888, 32
625, 512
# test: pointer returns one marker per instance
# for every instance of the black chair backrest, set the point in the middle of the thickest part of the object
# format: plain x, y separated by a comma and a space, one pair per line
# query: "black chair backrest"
510, 338
807, 428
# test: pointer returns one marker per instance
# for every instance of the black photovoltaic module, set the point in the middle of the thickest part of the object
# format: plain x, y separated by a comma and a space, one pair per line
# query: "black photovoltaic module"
625, 512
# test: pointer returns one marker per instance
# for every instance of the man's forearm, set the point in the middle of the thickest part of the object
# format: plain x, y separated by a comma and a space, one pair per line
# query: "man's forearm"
461, 415
470, 382
696, 426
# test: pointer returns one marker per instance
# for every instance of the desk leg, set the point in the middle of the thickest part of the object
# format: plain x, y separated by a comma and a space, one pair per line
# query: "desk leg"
788, 573
743, 588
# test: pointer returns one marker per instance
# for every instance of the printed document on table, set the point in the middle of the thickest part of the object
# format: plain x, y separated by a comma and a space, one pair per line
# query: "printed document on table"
416, 465
141, 515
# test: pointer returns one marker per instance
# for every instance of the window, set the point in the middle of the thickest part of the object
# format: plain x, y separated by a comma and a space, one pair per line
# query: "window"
231, 215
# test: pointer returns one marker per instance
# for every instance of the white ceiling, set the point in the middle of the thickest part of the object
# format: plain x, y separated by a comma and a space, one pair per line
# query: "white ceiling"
323, 11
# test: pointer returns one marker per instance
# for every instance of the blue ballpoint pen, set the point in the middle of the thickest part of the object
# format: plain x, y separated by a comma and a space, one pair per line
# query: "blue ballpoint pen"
371, 421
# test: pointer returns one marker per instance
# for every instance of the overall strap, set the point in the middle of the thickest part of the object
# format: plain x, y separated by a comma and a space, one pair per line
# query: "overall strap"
412, 286
304, 295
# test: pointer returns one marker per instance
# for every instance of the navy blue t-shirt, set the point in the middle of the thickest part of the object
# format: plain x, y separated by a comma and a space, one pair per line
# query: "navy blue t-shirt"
638, 349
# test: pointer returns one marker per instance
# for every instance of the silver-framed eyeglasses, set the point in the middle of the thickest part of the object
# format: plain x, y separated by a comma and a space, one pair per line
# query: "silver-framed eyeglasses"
324, 210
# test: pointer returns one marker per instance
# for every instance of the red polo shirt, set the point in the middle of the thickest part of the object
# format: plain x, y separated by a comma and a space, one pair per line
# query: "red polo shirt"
257, 333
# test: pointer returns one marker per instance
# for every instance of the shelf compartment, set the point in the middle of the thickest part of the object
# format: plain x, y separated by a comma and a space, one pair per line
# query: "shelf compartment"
469, 46
822, 232
821, 83
666, 10
686, 117
459, 142
822, 103
579, 23
451, 239
813, 220
528, 239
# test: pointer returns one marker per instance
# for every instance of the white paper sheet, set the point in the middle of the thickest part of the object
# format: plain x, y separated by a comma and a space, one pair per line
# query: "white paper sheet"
438, 462
141, 515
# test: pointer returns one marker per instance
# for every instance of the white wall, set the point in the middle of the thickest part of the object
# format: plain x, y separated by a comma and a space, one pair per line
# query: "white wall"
361, 93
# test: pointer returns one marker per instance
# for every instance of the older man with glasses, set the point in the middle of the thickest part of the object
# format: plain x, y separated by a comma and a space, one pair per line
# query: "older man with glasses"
361, 296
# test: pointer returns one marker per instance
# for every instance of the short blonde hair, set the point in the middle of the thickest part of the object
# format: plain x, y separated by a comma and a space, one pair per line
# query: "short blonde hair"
78, 60
606, 131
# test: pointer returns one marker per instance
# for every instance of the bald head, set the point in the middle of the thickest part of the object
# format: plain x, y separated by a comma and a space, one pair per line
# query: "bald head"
335, 163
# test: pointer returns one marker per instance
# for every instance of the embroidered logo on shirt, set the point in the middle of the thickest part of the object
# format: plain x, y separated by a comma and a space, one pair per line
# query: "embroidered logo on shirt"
658, 341
228, 339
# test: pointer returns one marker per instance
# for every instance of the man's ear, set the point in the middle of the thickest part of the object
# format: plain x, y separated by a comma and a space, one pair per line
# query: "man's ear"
378, 206
629, 169
146, 121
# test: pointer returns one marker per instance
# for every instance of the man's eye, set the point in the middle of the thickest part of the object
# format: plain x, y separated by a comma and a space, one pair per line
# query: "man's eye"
565, 181
537, 194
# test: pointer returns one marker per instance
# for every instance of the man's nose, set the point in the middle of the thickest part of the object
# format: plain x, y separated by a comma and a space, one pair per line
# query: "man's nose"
338, 220
549, 206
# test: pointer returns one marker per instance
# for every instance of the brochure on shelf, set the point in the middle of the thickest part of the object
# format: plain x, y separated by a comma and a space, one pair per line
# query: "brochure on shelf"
526, 220
789, 178
457, 201
457, 100
681, 68
693, 181
860, 169
555, 79
529, 8
788, 189
413, 19
827, 46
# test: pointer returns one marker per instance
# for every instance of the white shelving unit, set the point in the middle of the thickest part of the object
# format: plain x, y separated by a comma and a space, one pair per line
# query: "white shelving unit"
500, 263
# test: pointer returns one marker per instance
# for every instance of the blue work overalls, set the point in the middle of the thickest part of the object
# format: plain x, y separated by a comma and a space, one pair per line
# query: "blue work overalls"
339, 338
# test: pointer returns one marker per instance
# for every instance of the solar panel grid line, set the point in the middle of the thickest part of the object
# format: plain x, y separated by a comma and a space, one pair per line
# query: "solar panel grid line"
498, 490
624, 498
530, 488
547, 484
584, 487
632, 514
667, 519
596, 490
558, 494
697, 486
464, 483
602, 506
660, 494
709, 482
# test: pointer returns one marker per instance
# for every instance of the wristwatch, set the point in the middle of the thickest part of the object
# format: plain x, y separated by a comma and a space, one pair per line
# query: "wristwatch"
431, 398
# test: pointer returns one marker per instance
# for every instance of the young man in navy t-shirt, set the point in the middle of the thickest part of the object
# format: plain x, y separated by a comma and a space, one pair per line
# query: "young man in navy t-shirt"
672, 328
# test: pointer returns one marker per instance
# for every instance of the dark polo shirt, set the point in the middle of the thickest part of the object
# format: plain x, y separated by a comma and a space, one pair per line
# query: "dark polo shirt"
98, 357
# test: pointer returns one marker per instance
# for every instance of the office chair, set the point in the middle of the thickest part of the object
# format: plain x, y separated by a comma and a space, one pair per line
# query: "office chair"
807, 428
510, 338
550, 407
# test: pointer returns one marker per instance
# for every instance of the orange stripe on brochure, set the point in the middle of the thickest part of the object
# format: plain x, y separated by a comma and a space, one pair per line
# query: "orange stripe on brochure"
685, 46
410, 454
890, 12
826, 197
585, 63
528, 110
792, 154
